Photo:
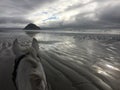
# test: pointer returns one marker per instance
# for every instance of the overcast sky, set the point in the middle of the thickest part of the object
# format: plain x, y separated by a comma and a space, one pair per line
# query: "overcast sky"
60, 13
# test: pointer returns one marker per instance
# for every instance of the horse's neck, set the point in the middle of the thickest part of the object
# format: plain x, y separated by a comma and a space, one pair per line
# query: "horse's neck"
23, 76
23, 72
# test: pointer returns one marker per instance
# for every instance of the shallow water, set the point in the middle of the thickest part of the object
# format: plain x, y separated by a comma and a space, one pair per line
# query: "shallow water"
77, 57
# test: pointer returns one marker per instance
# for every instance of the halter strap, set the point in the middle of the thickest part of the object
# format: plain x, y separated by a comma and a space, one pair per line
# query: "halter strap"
14, 73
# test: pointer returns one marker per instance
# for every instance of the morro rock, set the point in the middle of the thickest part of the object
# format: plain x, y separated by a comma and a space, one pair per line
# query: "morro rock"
32, 26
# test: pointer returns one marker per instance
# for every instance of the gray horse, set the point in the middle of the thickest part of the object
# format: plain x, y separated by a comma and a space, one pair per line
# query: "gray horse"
28, 73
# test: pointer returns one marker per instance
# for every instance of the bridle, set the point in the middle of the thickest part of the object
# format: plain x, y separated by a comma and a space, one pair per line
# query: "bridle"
16, 64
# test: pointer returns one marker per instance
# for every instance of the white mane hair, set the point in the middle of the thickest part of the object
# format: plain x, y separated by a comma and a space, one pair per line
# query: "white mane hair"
30, 72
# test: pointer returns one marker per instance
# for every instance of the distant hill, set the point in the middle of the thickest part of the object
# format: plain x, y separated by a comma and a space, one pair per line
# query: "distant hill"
32, 26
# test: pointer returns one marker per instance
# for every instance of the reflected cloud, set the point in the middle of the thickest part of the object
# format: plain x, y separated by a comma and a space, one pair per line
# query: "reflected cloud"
55, 40
100, 70
112, 67
68, 44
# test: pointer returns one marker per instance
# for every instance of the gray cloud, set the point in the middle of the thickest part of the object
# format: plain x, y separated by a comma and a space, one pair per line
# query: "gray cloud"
79, 5
110, 14
106, 15
5, 20
15, 11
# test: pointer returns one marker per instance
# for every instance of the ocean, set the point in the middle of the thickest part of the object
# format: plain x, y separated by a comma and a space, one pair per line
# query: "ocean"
94, 55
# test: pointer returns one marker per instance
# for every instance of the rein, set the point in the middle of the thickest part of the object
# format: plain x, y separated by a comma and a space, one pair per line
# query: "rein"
14, 73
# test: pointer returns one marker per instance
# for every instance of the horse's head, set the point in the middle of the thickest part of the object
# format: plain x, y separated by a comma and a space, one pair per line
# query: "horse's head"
28, 72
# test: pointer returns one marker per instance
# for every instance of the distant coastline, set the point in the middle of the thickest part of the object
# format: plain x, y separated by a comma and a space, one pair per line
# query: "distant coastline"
9, 29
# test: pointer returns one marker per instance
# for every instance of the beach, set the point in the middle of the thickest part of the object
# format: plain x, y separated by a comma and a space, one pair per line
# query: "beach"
72, 61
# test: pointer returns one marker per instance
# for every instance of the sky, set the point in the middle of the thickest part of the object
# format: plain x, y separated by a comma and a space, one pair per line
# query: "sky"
60, 13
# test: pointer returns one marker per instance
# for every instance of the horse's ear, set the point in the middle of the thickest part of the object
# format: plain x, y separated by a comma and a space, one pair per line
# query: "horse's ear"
17, 48
35, 44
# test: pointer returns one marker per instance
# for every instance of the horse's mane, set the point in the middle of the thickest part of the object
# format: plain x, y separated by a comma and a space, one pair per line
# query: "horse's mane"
17, 62
30, 55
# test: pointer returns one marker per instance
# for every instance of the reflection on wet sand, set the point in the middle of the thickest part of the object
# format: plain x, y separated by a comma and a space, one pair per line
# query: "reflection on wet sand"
97, 62
69, 62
